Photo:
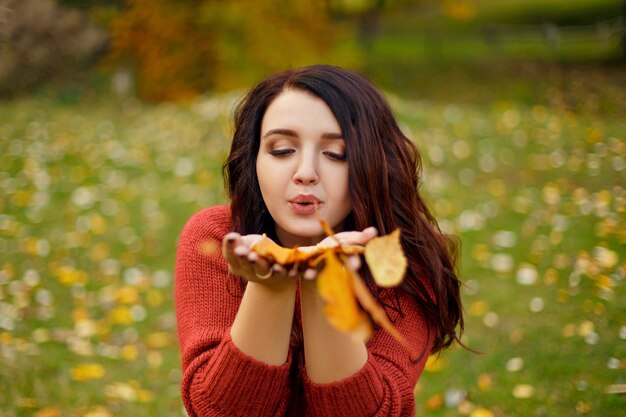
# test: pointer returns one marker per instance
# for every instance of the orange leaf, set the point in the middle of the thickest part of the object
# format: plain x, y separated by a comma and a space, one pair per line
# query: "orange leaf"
368, 302
326, 227
275, 253
285, 256
386, 260
342, 289
334, 284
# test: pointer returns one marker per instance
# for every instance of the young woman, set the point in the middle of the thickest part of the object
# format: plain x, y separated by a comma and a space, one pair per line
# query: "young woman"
310, 143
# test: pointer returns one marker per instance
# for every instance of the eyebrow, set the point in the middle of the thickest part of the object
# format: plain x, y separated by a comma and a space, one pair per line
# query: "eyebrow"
292, 133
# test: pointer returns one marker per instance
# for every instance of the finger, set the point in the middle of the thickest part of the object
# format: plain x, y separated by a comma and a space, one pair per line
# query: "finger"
279, 269
253, 256
241, 251
354, 262
370, 232
260, 267
366, 235
229, 243
293, 272
309, 274
252, 240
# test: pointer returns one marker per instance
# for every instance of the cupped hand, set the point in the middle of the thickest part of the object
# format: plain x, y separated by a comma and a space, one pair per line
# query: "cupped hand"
350, 238
249, 265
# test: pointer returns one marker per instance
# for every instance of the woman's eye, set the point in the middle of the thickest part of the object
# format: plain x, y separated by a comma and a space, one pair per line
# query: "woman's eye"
335, 155
280, 152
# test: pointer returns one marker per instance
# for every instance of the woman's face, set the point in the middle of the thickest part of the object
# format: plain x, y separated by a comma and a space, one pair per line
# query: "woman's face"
302, 168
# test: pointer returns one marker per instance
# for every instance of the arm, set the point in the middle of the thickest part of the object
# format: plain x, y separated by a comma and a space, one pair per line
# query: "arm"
330, 355
218, 378
262, 327
346, 377
384, 386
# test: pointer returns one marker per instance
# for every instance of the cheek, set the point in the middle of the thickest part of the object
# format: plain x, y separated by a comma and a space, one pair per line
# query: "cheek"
268, 178
340, 186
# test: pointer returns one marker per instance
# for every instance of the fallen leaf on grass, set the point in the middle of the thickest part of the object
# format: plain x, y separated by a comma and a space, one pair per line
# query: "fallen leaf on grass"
523, 391
48, 412
434, 402
87, 371
481, 412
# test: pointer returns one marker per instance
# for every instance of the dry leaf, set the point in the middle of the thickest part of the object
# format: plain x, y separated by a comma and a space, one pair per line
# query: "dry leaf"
334, 285
386, 260
434, 402
346, 295
285, 256
368, 302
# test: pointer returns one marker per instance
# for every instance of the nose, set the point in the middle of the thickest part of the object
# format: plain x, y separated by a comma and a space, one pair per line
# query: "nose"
306, 170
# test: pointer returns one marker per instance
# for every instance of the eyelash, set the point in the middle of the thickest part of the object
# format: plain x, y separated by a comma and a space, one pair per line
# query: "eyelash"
281, 152
336, 156
285, 152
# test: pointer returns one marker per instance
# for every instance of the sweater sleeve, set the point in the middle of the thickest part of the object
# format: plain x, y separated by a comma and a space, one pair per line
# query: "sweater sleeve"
218, 379
384, 386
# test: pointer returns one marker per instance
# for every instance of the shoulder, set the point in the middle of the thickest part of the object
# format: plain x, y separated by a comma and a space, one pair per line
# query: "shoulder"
212, 222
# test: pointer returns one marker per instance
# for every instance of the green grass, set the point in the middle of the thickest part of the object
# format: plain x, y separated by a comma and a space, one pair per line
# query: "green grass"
93, 196
503, 53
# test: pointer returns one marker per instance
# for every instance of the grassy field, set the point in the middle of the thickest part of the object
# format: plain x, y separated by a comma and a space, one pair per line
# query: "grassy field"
93, 196
562, 54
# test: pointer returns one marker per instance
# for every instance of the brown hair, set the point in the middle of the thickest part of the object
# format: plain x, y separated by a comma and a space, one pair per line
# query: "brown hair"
384, 177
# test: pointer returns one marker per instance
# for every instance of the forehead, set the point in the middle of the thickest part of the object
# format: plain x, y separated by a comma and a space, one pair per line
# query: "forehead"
294, 108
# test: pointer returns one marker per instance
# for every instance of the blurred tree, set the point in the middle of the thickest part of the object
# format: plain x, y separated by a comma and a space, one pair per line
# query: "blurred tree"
41, 41
91, 4
367, 14
624, 30
170, 53
177, 49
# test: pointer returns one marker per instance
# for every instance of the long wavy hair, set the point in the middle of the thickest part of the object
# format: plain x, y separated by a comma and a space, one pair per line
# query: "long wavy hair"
384, 178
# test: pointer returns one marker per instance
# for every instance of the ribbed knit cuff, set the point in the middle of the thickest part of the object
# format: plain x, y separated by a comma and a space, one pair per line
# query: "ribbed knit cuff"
358, 395
243, 386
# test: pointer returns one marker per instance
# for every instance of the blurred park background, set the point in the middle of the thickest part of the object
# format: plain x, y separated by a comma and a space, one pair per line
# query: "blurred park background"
115, 120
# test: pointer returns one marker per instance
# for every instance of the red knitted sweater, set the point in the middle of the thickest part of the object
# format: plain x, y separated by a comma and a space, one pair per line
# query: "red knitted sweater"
220, 380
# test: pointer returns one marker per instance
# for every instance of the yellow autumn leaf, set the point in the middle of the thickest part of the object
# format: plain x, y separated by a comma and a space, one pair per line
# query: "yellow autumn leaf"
348, 300
87, 371
48, 412
482, 412
158, 340
274, 252
386, 260
335, 287
129, 353
485, 381
435, 363
98, 411
435, 402
285, 256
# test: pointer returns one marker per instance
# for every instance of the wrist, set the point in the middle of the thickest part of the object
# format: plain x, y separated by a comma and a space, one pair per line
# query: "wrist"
284, 288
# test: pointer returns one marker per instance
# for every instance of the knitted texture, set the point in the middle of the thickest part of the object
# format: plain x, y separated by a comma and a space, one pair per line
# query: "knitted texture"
220, 380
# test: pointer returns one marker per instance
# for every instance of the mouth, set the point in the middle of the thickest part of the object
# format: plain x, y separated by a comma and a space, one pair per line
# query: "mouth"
305, 199
305, 204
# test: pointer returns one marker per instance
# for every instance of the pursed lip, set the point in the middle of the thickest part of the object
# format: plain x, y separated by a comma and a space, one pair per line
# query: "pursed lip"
305, 199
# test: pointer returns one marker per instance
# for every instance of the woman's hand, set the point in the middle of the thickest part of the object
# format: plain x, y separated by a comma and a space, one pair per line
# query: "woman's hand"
352, 238
249, 265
